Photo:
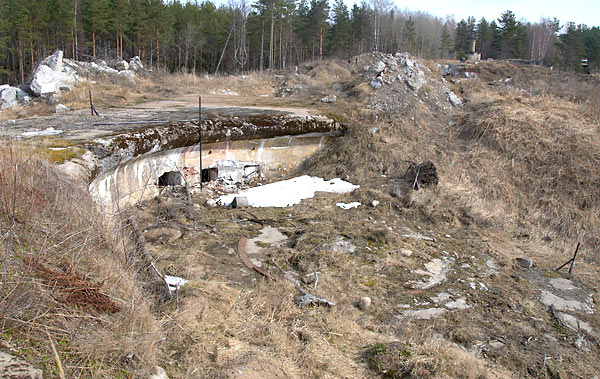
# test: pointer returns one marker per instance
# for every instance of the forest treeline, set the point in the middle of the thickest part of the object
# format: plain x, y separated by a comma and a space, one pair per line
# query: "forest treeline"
241, 36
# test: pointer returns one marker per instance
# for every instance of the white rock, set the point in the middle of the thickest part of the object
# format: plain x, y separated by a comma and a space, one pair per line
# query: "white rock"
377, 67
364, 303
406, 252
211, 203
374, 203
354, 204
47, 81
424, 314
376, 83
8, 97
135, 64
160, 373
55, 61
453, 99
128, 75
60, 108
122, 66
557, 303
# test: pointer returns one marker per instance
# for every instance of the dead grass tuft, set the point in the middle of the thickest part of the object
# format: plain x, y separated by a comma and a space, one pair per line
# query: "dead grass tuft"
65, 273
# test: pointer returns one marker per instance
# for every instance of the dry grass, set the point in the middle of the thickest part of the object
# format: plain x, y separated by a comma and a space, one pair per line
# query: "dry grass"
536, 156
64, 272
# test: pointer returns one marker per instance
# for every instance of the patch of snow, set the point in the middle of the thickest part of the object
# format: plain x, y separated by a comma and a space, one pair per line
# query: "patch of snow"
354, 204
46, 132
289, 192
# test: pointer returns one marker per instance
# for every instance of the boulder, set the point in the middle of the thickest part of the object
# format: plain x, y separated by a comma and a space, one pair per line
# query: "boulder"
51, 74
377, 67
453, 99
415, 79
135, 64
8, 96
60, 108
376, 83
128, 75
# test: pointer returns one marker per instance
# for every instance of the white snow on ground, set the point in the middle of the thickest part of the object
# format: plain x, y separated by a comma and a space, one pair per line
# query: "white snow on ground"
46, 132
354, 204
288, 192
174, 282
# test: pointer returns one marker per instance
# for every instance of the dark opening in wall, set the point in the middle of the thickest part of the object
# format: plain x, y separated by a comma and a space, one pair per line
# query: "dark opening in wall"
209, 174
170, 178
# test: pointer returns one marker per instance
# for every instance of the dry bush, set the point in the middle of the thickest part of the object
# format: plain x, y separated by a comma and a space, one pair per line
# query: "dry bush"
64, 272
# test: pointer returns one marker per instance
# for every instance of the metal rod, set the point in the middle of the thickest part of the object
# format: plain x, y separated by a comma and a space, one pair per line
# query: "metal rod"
200, 136
573, 260
91, 104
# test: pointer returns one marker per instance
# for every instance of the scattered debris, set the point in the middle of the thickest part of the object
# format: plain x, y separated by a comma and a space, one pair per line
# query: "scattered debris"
422, 175
308, 299
417, 236
175, 282
354, 204
239, 202
329, 99
340, 245
289, 192
246, 261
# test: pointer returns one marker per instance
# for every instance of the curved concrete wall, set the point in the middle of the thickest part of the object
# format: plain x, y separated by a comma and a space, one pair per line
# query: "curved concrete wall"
137, 179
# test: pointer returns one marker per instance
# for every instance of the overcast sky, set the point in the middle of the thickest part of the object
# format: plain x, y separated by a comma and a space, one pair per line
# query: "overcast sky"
580, 11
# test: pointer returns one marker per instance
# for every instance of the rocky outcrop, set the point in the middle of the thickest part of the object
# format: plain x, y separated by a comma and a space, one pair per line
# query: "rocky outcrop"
12, 96
51, 75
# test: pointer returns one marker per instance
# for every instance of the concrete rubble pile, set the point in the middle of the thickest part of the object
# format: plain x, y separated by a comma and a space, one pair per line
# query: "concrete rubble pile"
56, 74
397, 79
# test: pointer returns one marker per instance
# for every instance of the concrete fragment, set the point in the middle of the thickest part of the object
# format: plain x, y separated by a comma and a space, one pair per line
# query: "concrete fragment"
559, 304
562, 284
573, 323
424, 314
13, 367
364, 303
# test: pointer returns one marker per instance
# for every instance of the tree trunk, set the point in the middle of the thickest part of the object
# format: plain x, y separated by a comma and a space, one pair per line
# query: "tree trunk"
157, 49
21, 61
271, 37
262, 45
93, 43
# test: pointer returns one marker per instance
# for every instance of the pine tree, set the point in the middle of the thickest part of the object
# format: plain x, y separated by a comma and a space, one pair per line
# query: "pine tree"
484, 38
96, 20
340, 31
445, 42
462, 39
409, 34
